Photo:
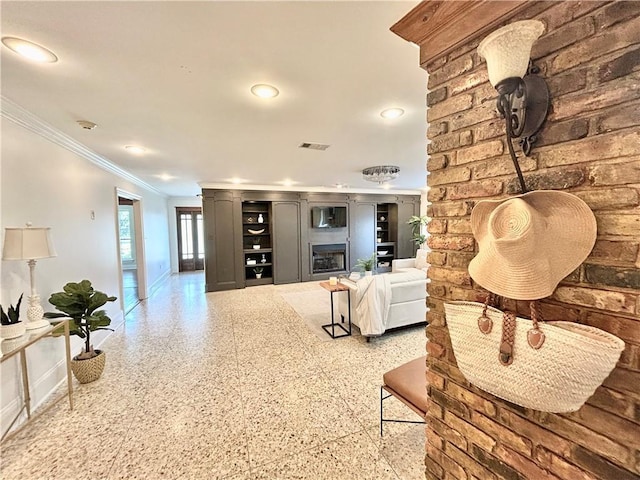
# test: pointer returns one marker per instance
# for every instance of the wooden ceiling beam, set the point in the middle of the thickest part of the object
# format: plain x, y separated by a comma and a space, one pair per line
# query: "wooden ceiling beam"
440, 26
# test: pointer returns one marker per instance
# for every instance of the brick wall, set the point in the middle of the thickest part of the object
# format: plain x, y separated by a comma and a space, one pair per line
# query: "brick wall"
590, 146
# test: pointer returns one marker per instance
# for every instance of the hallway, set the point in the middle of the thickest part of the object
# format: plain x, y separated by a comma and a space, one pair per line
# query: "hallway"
227, 385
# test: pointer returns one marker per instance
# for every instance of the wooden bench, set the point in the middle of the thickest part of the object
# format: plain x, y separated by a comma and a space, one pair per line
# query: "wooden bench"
407, 383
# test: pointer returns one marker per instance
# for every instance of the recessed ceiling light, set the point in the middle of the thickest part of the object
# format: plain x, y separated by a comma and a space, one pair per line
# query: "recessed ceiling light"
29, 50
237, 180
288, 182
263, 90
386, 186
166, 177
340, 185
390, 113
135, 149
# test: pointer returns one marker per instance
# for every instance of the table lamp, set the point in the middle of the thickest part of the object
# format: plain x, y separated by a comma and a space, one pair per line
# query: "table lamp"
29, 243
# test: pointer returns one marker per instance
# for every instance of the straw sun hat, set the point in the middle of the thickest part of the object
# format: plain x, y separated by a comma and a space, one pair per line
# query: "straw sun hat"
530, 242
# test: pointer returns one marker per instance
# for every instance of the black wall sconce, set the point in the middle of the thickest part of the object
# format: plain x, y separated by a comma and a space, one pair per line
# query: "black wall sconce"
523, 96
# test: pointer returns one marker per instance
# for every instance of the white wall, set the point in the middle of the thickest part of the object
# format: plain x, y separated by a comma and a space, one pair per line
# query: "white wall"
172, 203
48, 185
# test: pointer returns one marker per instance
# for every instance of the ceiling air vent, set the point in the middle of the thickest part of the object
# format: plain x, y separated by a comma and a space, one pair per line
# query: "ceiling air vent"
313, 146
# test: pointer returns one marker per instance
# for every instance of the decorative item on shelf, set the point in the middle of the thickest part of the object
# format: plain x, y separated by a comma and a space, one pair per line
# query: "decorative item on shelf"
381, 173
264, 259
523, 98
383, 264
11, 327
417, 224
80, 302
255, 232
378, 228
258, 271
379, 240
256, 243
251, 261
31, 244
382, 219
260, 218
249, 219
367, 264
383, 252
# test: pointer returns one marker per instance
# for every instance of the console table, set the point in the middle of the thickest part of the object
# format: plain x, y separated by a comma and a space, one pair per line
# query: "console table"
18, 346
333, 289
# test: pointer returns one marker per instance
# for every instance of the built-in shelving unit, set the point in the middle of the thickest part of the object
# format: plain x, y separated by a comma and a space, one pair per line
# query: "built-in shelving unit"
385, 253
287, 236
256, 243
385, 237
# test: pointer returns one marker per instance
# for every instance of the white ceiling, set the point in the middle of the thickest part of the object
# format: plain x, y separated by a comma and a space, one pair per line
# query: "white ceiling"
175, 78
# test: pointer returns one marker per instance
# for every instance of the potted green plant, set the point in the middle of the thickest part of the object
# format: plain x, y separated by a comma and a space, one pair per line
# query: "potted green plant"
11, 327
80, 302
367, 264
417, 222
258, 271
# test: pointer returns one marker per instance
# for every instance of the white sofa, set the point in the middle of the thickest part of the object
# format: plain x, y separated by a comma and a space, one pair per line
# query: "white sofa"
406, 264
406, 304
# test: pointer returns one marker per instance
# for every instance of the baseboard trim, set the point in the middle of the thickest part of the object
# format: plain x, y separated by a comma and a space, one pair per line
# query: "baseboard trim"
159, 281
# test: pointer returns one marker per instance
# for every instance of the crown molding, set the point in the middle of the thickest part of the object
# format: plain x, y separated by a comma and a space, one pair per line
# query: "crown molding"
22, 117
306, 189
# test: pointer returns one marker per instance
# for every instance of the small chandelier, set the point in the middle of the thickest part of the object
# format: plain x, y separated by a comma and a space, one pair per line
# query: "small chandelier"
380, 173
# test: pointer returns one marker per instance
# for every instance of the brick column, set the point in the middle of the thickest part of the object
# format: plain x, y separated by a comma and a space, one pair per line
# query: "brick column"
589, 146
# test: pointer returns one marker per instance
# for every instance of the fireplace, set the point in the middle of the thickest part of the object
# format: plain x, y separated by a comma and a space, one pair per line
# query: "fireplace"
328, 258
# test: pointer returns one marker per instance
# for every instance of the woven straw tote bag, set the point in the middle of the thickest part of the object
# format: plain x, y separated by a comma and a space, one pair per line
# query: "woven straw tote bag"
558, 376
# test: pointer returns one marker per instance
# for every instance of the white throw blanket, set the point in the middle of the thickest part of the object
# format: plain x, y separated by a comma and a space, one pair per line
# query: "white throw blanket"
372, 304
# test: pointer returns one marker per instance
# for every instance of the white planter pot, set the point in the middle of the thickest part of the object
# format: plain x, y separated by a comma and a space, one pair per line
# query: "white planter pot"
258, 275
368, 273
13, 331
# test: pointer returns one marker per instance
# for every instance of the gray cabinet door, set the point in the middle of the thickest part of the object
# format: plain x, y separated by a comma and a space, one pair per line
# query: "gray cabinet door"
363, 232
406, 248
286, 242
222, 271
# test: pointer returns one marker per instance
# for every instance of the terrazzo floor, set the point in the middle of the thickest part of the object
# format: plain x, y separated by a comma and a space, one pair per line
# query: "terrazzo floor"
227, 385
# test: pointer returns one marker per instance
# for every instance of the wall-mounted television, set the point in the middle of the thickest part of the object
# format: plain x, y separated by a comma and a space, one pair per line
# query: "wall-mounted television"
328, 217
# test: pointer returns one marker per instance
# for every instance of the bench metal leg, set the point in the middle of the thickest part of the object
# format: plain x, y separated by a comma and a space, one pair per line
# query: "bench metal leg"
382, 419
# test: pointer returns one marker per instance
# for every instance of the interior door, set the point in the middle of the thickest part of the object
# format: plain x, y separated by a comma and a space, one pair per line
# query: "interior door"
131, 251
190, 239
286, 242
128, 257
406, 247
363, 232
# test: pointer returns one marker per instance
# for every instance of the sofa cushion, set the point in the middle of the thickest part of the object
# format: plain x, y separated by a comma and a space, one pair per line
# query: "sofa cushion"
421, 259
409, 275
408, 291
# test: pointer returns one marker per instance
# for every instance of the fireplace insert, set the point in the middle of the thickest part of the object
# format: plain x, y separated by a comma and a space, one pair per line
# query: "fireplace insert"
328, 258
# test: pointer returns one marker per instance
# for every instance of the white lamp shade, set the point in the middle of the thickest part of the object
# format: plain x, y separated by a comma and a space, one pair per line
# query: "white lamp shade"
507, 50
29, 243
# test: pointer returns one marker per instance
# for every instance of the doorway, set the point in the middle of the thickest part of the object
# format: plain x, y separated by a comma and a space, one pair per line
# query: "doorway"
190, 239
130, 251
